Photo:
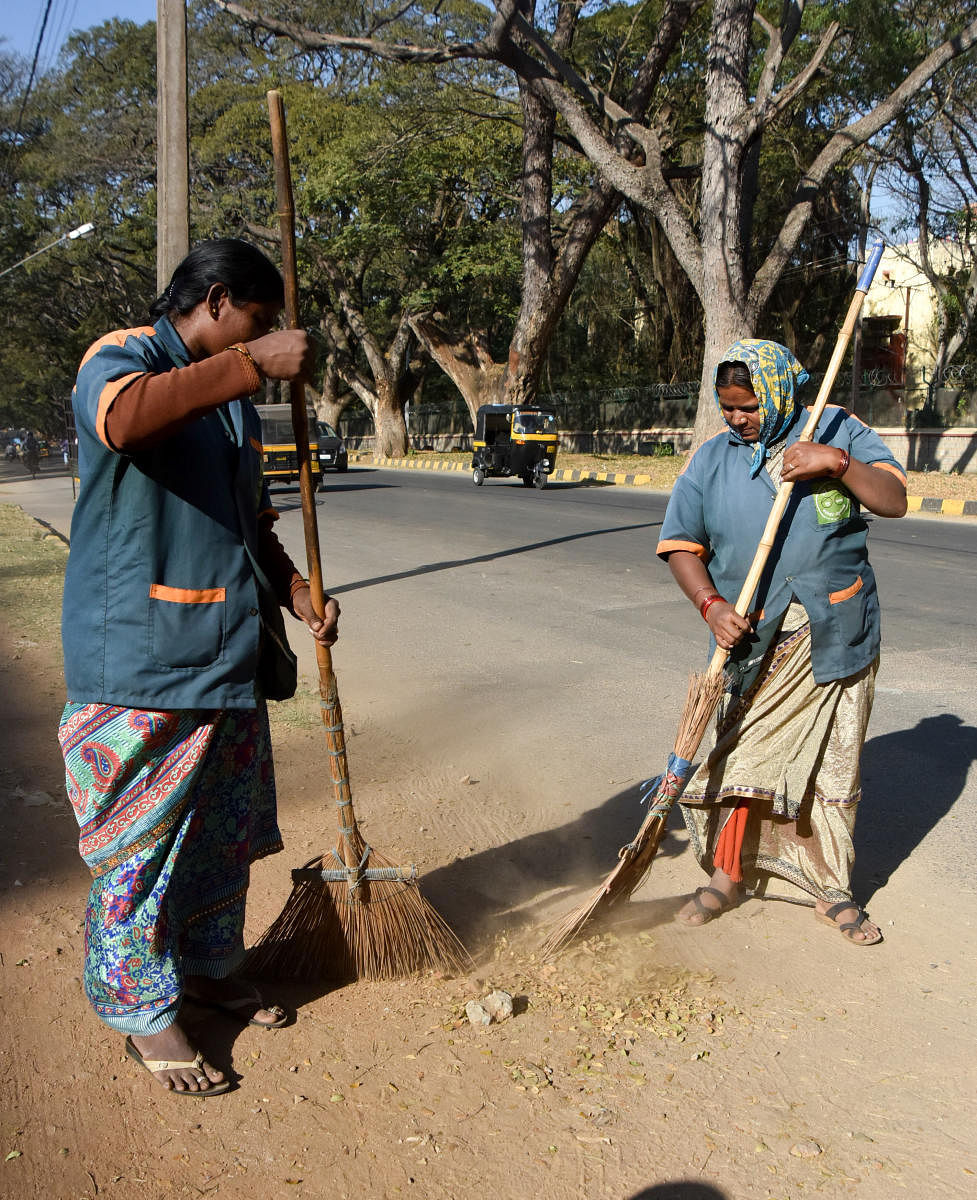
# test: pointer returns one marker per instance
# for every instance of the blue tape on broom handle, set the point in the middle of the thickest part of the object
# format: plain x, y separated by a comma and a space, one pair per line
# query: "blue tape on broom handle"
871, 265
678, 766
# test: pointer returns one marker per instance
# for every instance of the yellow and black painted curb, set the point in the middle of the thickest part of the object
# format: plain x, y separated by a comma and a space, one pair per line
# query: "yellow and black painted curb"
563, 476
917, 504
945, 507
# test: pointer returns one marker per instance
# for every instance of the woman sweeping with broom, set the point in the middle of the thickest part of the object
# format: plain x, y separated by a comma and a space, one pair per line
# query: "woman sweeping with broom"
173, 641
779, 793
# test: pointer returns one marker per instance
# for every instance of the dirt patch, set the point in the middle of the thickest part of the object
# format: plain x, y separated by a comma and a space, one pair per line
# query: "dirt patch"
642, 1063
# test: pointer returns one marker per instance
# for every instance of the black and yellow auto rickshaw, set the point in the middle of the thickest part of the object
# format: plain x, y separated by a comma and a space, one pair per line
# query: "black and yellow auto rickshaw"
516, 440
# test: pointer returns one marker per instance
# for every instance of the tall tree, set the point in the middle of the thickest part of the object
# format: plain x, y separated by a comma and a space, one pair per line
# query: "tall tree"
558, 224
759, 69
399, 201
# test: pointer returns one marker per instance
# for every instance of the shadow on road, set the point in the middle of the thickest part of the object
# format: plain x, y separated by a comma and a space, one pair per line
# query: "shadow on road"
911, 779
451, 564
290, 499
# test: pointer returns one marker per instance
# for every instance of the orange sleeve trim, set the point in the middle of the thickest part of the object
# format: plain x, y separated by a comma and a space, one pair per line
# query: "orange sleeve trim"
106, 399
899, 473
256, 445
159, 591
117, 338
845, 593
666, 547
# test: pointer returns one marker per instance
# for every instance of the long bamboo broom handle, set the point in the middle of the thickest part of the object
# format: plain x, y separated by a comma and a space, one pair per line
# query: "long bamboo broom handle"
783, 492
331, 711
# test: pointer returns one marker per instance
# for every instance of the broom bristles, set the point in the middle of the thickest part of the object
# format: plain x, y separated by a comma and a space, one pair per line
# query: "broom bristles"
705, 691
635, 859
384, 929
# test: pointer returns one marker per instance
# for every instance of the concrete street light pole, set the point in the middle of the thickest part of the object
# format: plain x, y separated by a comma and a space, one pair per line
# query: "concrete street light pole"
172, 140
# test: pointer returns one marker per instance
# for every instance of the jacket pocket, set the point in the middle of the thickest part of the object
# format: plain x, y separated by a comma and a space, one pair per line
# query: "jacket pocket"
850, 613
845, 593
186, 625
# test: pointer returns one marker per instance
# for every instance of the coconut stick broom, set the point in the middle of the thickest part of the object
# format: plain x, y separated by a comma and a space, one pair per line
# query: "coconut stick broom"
706, 688
351, 913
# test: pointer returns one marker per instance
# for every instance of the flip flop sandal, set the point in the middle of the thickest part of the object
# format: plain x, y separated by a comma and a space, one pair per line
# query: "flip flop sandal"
162, 1064
234, 1008
847, 928
708, 914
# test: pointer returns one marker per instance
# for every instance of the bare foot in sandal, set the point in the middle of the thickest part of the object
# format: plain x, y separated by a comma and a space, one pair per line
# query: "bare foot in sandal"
852, 921
237, 997
709, 902
187, 1071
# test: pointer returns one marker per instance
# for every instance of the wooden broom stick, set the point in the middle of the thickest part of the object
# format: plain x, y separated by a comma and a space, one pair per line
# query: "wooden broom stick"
328, 689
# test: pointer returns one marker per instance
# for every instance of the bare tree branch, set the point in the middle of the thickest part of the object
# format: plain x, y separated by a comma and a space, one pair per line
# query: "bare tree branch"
402, 52
768, 107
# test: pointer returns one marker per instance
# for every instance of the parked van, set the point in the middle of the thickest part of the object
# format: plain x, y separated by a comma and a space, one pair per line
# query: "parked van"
281, 465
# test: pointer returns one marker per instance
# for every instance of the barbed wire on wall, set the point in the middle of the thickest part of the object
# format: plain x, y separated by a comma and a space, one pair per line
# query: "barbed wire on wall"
956, 375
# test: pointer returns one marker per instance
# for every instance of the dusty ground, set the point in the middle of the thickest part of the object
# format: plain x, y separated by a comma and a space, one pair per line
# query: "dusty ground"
745, 1060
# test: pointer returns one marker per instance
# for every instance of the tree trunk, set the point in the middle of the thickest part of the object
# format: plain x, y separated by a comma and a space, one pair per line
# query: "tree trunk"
334, 399
388, 420
465, 359
724, 290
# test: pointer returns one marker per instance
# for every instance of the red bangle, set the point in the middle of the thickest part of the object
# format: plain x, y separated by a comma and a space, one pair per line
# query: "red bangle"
843, 464
705, 605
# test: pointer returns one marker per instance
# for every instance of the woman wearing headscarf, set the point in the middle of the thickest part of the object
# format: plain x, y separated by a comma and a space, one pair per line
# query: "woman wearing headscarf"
778, 795
173, 641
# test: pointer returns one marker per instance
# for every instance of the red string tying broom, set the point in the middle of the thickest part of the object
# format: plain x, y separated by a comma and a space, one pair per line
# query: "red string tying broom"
705, 689
352, 913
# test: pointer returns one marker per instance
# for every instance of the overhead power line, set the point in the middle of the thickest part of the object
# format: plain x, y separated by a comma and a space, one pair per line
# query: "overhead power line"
30, 78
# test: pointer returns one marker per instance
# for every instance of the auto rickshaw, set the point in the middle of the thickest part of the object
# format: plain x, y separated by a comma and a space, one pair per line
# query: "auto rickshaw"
514, 440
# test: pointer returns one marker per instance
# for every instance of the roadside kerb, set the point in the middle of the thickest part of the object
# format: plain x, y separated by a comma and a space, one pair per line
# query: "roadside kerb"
564, 476
917, 504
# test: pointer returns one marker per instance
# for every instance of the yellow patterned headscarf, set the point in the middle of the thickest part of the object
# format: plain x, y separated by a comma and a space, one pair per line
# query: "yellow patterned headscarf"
775, 373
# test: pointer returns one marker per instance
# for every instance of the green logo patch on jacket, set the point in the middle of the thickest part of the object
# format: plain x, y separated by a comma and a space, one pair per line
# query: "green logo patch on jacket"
831, 503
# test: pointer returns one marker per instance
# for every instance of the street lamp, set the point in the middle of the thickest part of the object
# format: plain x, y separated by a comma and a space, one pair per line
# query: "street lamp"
83, 231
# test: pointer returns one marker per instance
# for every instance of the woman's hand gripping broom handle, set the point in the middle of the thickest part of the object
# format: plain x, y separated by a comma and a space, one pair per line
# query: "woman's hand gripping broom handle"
332, 713
783, 492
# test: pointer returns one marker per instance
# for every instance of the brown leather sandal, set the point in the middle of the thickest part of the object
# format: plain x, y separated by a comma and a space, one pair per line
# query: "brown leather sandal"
847, 928
708, 914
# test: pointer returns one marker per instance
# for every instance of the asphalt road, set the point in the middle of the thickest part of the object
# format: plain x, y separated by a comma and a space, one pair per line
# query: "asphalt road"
498, 626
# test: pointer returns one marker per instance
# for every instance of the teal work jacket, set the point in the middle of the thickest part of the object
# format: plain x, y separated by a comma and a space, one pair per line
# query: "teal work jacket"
820, 553
161, 606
